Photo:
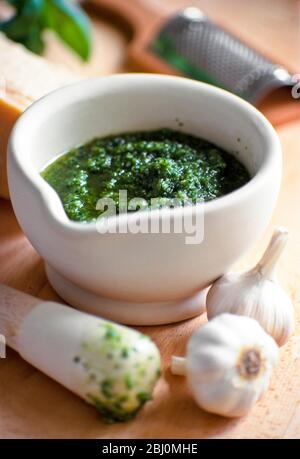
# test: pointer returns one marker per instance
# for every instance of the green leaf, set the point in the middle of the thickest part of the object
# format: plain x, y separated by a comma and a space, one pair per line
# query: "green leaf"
34, 41
27, 7
71, 24
14, 28
26, 25
63, 16
18, 4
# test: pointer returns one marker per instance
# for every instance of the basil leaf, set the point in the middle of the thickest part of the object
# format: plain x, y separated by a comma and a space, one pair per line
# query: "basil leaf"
26, 25
34, 41
63, 16
27, 7
70, 23
18, 4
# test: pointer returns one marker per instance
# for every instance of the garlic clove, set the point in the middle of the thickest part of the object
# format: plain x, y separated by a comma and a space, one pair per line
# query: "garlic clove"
256, 293
267, 264
228, 375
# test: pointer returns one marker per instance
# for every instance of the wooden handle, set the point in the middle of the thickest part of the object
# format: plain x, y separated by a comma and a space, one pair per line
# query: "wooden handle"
142, 19
138, 14
14, 307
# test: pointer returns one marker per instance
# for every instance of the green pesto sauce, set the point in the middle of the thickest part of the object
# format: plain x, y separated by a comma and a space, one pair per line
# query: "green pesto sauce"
161, 164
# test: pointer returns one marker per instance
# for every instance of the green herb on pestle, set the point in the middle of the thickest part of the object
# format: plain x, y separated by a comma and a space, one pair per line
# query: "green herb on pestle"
64, 17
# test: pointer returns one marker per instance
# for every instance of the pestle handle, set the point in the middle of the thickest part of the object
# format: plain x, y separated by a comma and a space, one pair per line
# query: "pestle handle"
82, 352
14, 307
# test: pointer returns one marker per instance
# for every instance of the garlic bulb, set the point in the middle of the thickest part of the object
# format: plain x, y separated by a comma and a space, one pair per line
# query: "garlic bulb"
256, 294
228, 364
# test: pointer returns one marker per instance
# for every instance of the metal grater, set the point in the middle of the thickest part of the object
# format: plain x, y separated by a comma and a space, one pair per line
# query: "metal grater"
199, 49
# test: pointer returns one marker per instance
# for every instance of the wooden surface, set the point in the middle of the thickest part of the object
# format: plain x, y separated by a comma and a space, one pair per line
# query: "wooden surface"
33, 406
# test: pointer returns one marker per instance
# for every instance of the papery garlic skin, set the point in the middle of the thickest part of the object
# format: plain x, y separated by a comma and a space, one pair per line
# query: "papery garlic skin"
228, 364
257, 294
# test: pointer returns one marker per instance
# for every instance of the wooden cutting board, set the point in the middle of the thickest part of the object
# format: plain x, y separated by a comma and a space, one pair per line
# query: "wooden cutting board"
33, 406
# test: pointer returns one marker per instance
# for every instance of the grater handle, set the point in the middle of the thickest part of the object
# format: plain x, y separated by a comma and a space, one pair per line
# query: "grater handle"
200, 49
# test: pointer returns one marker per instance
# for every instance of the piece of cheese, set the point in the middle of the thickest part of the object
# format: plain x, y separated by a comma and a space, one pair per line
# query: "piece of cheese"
24, 78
